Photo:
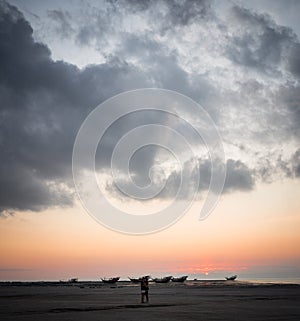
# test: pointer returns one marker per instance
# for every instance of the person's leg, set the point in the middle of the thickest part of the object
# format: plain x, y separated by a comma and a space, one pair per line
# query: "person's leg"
147, 296
142, 297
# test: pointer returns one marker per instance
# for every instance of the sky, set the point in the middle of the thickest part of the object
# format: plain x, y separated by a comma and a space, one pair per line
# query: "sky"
238, 59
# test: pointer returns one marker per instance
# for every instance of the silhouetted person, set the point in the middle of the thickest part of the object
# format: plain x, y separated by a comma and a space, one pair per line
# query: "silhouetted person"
144, 289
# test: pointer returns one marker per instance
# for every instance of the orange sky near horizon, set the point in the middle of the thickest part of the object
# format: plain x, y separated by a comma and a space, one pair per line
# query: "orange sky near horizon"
246, 230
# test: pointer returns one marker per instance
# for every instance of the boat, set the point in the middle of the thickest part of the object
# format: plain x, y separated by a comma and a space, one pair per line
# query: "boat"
165, 279
134, 280
111, 280
179, 279
138, 280
231, 278
73, 280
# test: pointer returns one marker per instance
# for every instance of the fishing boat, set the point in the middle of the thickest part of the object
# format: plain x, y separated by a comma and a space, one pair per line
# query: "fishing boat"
73, 280
179, 279
134, 280
165, 279
231, 278
111, 280
138, 280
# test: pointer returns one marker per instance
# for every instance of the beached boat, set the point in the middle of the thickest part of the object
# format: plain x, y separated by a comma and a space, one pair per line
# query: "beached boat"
231, 278
179, 279
73, 280
165, 279
134, 280
138, 280
111, 280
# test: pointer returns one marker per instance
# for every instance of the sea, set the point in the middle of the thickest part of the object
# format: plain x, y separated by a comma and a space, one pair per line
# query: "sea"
271, 280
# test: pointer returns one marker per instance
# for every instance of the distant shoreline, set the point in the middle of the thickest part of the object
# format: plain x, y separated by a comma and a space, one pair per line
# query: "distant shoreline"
195, 283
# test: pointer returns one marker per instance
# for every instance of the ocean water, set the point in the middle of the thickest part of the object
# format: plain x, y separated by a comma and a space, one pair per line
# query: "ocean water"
271, 280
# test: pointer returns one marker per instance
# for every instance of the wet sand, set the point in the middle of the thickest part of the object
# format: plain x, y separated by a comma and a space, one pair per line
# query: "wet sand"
210, 300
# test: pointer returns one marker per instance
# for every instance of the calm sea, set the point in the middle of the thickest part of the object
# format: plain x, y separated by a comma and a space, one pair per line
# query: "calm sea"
272, 280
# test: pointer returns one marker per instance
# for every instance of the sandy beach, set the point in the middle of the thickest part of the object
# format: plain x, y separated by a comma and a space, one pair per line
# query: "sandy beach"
201, 300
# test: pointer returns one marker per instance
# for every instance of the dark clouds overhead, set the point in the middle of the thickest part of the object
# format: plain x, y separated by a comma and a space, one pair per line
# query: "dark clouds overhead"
42, 106
238, 178
243, 67
63, 25
296, 163
261, 43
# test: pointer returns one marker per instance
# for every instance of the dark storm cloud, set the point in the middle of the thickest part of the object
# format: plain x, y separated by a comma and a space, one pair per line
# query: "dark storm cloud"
239, 177
260, 43
294, 60
33, 149
43, 102
180, 12
165, 70
296, 163
289, 98
186, 11
164, 15
42, 106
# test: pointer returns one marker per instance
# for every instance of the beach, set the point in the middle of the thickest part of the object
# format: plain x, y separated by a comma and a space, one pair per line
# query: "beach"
200, 300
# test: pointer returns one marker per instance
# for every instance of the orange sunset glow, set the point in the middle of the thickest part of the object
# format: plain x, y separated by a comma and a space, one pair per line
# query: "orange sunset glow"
38, 247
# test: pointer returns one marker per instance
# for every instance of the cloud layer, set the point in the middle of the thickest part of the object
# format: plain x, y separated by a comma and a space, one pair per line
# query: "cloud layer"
241, 66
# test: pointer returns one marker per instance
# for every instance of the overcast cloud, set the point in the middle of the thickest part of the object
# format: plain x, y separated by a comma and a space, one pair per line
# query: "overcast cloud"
61, 61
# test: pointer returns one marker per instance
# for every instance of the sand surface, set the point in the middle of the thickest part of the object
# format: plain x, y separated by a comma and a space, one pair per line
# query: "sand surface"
190, 301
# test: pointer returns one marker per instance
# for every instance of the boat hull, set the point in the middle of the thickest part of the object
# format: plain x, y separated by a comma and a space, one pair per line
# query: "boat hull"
111, 280
163, 280
180, 279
